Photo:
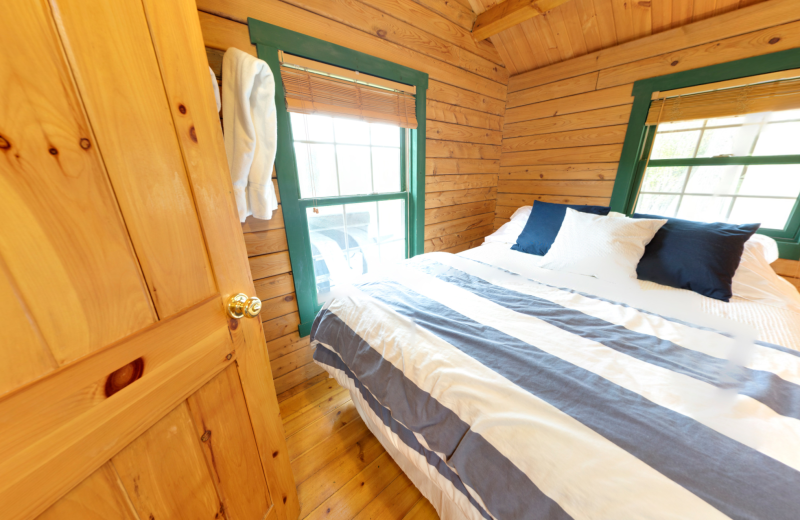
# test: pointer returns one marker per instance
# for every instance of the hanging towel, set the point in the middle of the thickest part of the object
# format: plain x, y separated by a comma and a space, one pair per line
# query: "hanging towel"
251, 132
215, 86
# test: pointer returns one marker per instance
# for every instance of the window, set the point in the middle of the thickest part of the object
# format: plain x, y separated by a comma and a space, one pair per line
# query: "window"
353, 181
350, 161
738, 169
718, 143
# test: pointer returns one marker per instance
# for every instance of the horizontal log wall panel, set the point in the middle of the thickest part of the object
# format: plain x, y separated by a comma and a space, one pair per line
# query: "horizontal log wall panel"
788, 268
460, 182
454, 150
517, 200
584, 154
618, 115
441, 243
362, 17
610, 97
463, 134
440, 199
460, 166
454, 95
554, 172
589, 137
306, 22
757, 43
465, 105
263, 242
455, 226
436, 215
558, 89
574, 188
434, 23
438, 111
279, 285
741, 21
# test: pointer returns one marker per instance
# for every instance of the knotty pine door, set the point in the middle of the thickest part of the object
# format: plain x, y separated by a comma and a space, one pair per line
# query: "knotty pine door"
125, 391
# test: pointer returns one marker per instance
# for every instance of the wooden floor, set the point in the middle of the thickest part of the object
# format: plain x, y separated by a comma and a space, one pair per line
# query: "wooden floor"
341, 469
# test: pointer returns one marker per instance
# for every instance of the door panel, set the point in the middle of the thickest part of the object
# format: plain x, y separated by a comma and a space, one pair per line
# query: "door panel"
61, 235
220, 418
165, 474
99, 497
178, 40
115, 203
111, 53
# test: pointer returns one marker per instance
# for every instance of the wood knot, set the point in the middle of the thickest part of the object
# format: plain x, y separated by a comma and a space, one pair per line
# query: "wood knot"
775, 40
193, 134
381, 33
674, 63
124, 376
85, 143
233, 324
206, 436
53, 151
289, 298
4, 144
274, 454
181, 108
229, 356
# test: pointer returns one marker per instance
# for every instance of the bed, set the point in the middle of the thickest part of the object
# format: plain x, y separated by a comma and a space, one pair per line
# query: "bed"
509, 391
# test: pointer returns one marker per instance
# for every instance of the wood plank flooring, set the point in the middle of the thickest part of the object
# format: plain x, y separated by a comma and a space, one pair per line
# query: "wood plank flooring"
341, 470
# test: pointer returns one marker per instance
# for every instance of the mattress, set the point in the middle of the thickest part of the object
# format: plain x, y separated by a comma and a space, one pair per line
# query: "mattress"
507, 391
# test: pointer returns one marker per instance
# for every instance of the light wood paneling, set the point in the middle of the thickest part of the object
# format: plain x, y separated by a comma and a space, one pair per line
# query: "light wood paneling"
99, 497
580, 27
139, 147
465, 109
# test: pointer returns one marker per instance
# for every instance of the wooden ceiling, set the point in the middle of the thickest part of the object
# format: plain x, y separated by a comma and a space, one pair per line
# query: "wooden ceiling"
580, 27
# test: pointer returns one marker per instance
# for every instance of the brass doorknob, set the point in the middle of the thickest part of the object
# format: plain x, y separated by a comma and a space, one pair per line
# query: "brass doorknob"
240, 306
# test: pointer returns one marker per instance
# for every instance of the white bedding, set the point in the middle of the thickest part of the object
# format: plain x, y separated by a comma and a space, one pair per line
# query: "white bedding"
584, 471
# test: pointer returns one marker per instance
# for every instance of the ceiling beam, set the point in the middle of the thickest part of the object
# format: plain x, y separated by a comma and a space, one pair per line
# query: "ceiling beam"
508, 14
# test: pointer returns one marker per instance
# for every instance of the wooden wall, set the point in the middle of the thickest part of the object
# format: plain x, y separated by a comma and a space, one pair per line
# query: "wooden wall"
465, 105
565, 124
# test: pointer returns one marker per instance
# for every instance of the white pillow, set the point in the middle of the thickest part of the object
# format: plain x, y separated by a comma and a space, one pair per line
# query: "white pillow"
599, 246
755, 280
509, 232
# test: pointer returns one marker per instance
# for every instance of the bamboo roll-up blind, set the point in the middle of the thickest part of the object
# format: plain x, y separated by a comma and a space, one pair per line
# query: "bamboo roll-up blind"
726, 102
310, 93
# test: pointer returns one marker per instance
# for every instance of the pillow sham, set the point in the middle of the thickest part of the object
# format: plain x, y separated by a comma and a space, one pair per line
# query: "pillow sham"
599, 246
544, 223
755, 280
699, 256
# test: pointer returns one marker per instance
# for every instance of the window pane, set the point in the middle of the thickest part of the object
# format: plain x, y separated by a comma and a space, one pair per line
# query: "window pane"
770, 213
784, 115
737, 140
320, 128
354, 170
299, 130
657, 204
776, 180
704, 209
664, 179
385, 135
714, 179
675, 145
351, 131
779, 139
680, 125
386, 169
320, 179
349, 240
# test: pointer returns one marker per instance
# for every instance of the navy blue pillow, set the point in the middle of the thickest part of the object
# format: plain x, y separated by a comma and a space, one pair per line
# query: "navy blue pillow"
544, 224
697, 256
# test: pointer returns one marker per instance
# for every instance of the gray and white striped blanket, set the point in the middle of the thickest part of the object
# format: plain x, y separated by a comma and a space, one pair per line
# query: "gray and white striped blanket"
532, 401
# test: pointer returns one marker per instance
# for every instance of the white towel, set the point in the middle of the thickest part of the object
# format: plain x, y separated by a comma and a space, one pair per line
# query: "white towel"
215, 86
251, 132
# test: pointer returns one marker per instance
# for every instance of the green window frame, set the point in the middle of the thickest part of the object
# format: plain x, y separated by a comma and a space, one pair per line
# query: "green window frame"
269, 39
639, 138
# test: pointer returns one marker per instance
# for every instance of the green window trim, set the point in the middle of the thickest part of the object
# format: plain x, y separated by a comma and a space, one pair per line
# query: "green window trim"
269, 39
638, 140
